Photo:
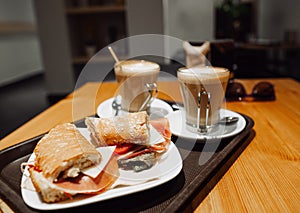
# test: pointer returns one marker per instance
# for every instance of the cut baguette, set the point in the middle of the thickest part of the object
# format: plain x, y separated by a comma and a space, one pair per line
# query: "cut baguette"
130, 128
64, 149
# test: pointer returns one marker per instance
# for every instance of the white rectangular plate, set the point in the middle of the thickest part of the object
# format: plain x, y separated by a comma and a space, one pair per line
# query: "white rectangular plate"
168, 167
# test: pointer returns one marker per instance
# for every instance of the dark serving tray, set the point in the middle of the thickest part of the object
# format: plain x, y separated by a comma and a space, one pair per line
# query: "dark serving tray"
183, 193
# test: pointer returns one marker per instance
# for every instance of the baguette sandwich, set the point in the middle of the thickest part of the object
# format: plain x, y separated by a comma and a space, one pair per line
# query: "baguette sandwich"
60, 157
131, 135
132, 128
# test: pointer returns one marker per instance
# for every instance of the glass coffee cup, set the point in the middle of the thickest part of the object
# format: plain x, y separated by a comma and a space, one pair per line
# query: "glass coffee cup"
203, 90
137, 84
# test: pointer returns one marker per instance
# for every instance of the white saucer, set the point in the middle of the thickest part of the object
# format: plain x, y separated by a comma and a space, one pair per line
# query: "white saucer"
178, 126
158, 108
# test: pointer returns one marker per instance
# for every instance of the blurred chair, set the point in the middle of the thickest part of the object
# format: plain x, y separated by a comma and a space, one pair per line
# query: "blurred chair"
222, 53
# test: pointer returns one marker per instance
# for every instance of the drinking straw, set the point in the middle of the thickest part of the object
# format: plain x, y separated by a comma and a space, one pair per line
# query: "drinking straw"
113, 54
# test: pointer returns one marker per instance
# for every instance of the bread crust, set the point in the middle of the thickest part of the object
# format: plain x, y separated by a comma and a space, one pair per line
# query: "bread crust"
130, 128
62, 148
48, 191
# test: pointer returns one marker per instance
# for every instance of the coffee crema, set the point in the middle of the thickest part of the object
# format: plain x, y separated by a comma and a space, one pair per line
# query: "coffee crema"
208, 80
132, 76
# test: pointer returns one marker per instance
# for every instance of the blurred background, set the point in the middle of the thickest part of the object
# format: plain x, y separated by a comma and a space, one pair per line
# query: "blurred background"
44, 45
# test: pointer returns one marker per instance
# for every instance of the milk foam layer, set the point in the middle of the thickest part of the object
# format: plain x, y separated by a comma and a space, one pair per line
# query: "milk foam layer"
205, 74
137, 66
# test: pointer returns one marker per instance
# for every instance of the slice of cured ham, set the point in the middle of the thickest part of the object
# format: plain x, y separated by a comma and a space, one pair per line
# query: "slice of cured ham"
162, 125
84, 184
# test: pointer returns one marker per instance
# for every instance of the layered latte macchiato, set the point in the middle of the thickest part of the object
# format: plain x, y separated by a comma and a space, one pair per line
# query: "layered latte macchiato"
133, 77
203, 90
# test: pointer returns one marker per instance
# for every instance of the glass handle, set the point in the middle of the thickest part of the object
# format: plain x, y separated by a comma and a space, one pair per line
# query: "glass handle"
152, 94
203, 111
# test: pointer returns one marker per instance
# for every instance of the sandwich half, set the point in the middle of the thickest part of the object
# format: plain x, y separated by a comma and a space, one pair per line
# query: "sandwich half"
61, 155
132, 128
134, 137
64, 151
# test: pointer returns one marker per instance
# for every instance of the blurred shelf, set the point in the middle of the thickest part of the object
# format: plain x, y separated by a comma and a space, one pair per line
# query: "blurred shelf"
95, 9
80, 60
93, 23
16, 28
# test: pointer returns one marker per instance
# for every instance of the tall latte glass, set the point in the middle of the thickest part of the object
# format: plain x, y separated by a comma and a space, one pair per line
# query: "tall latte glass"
137, 84
203, 91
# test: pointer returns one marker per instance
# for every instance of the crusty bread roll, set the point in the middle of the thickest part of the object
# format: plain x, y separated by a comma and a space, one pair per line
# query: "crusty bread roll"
66, 188
50, 193
61, 159
130, 128
64, 150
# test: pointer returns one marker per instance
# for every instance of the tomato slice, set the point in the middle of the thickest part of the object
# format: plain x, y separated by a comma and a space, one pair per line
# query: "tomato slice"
123, 148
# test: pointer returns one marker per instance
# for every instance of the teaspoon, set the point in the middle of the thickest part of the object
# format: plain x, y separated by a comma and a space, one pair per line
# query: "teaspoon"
116, 105
229, 120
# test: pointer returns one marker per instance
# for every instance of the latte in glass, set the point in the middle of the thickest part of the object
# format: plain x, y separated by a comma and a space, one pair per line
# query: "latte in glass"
203, 91
136, 78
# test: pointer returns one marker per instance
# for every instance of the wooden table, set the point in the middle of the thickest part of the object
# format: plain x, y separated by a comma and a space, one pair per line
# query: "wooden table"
265, 178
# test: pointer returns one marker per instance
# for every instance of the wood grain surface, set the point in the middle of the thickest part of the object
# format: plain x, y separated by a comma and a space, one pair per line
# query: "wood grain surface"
266, 176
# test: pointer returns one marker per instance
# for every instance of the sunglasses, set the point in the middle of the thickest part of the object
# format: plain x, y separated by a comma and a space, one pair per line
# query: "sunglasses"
262, 91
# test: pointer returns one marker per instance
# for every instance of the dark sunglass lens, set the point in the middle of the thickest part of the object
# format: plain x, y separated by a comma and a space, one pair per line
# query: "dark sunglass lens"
235, 91
264, 91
